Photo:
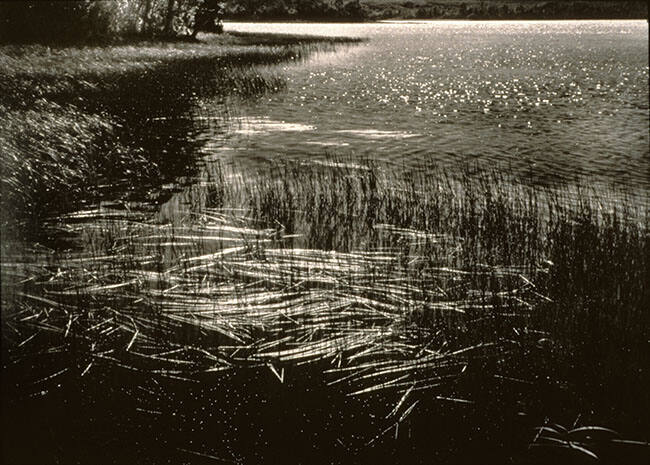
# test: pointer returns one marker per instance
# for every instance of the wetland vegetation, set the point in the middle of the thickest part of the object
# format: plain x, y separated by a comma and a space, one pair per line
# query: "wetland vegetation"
334, 310
76, 111
408, 303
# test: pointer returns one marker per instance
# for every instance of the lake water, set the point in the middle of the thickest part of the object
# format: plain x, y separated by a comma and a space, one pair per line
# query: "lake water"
549, 100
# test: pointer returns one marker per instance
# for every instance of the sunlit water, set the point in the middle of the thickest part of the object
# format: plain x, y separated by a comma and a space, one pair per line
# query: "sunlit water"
545, 101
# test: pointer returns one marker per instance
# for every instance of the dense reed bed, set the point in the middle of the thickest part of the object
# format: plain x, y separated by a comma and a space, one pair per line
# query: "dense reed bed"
72, 117
376, 304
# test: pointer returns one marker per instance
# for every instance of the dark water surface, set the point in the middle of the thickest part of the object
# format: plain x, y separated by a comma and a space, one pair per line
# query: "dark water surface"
548, 100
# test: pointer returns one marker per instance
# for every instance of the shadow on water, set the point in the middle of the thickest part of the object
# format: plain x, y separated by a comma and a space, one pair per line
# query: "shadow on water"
157, 116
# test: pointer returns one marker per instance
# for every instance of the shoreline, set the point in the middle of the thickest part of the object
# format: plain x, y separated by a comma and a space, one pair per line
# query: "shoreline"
371, 10
423, 20
90, 99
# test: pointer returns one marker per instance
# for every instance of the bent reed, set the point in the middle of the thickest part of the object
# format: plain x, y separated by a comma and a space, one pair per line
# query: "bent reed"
369, 279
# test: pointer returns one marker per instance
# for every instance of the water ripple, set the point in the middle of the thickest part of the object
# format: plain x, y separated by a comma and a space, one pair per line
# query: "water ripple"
568, 98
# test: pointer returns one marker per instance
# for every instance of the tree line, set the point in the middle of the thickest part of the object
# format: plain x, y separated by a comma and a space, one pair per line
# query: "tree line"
37, 20
331, 10
486, 9
355, 10
47, 20
61, 20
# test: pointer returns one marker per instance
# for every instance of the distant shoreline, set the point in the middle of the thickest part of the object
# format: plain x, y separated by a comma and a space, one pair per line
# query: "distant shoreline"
417, 21
399, 10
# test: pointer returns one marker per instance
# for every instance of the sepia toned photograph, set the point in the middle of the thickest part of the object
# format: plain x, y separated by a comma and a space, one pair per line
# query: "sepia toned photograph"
325, 232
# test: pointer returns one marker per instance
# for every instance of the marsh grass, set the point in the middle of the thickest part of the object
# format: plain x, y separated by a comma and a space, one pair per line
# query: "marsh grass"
74, 119
413, 296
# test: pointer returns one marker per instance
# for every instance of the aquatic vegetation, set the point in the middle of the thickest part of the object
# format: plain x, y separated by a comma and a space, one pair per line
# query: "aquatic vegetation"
71, 116
418, 292
584, 443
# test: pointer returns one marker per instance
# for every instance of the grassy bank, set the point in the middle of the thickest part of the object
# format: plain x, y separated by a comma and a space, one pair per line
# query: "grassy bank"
73, 117
347, 312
